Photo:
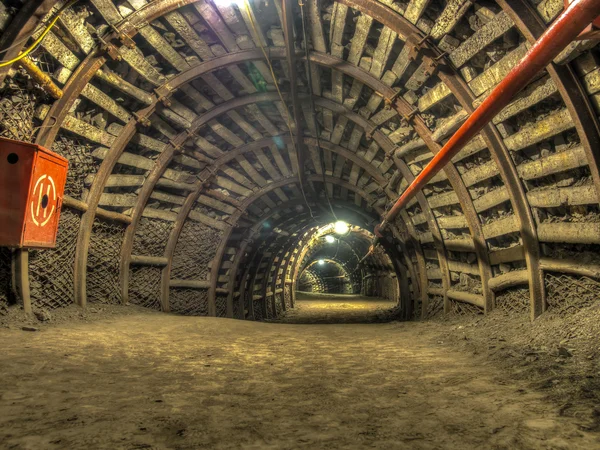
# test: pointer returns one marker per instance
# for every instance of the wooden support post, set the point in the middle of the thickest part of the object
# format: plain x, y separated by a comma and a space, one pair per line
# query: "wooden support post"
20, 277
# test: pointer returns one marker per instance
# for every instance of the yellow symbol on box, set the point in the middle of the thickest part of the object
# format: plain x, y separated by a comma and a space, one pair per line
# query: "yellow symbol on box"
44, 190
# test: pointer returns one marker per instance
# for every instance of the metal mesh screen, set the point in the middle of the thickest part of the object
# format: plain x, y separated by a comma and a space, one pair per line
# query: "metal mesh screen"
17, 104
221, 303
270, 312
151, 237
567, 293
51, 270
514, 300
44, 60
417, 310
247, 307
191, 302
435, 306
258, 312
236, 309
81, 163
144, 286
195, 250
462, 309
287, 296
103, 262
278, 304
5, 277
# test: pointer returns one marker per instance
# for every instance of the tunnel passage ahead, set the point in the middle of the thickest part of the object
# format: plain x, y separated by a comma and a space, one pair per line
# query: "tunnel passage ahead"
319, 308
150, 380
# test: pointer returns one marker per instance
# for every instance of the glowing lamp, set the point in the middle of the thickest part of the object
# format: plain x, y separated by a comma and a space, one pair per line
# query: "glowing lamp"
341, 227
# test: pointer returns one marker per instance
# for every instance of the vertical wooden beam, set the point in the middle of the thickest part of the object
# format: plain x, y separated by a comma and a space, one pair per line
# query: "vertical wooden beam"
20, 277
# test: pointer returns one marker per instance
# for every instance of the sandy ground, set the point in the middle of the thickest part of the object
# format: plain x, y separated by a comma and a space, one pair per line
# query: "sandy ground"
336, 308
154, 381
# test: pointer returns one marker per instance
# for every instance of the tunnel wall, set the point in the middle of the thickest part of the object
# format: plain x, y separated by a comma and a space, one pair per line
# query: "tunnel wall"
516, 212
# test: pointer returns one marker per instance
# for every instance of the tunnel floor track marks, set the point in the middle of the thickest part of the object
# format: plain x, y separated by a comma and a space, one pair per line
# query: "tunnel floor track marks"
151, 380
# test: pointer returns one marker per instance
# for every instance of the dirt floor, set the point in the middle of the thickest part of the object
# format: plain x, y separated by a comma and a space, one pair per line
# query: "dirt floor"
126, 378
337, 308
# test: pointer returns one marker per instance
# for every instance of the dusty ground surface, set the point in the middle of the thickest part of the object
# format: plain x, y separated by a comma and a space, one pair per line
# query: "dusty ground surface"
558, 354
146, 380
337, 308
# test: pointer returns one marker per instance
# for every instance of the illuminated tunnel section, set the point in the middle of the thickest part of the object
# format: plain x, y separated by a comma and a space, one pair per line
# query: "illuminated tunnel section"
339, 262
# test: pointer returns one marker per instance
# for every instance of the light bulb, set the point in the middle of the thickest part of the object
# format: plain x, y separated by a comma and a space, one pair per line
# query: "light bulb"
341, 227
225, 3
329, 238
321, 262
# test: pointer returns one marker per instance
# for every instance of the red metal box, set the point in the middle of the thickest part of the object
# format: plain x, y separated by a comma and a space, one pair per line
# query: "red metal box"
32, 184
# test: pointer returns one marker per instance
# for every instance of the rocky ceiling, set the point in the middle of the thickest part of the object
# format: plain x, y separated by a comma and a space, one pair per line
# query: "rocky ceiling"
194, 188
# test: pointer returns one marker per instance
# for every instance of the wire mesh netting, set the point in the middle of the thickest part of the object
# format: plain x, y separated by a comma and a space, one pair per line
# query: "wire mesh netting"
236, 309
44, 60
258, 311
221, 304
17, 106
103, 262
81, 163
144, 286
195, 250
287, 291
270, 312
247, 307
5, 277
151, 237
51, 270
191, 302
567, 294
278, 304
417, 310
463, 309
417, 306
435, 306
515, 300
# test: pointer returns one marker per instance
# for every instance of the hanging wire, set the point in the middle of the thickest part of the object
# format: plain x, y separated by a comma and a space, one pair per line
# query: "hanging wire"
41, 37
287, 121
312, 101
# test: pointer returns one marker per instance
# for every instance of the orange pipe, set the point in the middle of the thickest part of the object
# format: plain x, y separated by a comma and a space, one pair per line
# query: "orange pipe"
578, 15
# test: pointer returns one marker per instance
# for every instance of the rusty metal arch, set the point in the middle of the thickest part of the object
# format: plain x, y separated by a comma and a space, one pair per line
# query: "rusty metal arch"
251, 233
95, 60
154, 9
377, 135
251, 265
287, 249
569, 87
59, 110
76, 83
220, 251
174, 236
165, 157
506, 167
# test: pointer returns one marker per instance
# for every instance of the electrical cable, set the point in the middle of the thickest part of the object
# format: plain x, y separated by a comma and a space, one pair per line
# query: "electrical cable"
41, 37
254, 28
312, 101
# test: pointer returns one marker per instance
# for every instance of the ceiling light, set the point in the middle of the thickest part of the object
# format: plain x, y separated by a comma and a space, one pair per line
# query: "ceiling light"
321, 262
341, 227
329, 238
225, 3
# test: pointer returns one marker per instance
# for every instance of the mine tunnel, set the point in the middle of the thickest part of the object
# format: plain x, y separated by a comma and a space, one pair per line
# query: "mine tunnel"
299, 224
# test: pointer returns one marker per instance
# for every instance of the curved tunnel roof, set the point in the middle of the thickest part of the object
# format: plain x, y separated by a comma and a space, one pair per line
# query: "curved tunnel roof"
192, 182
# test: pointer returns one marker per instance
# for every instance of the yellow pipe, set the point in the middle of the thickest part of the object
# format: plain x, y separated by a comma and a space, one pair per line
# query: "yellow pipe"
41, 78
